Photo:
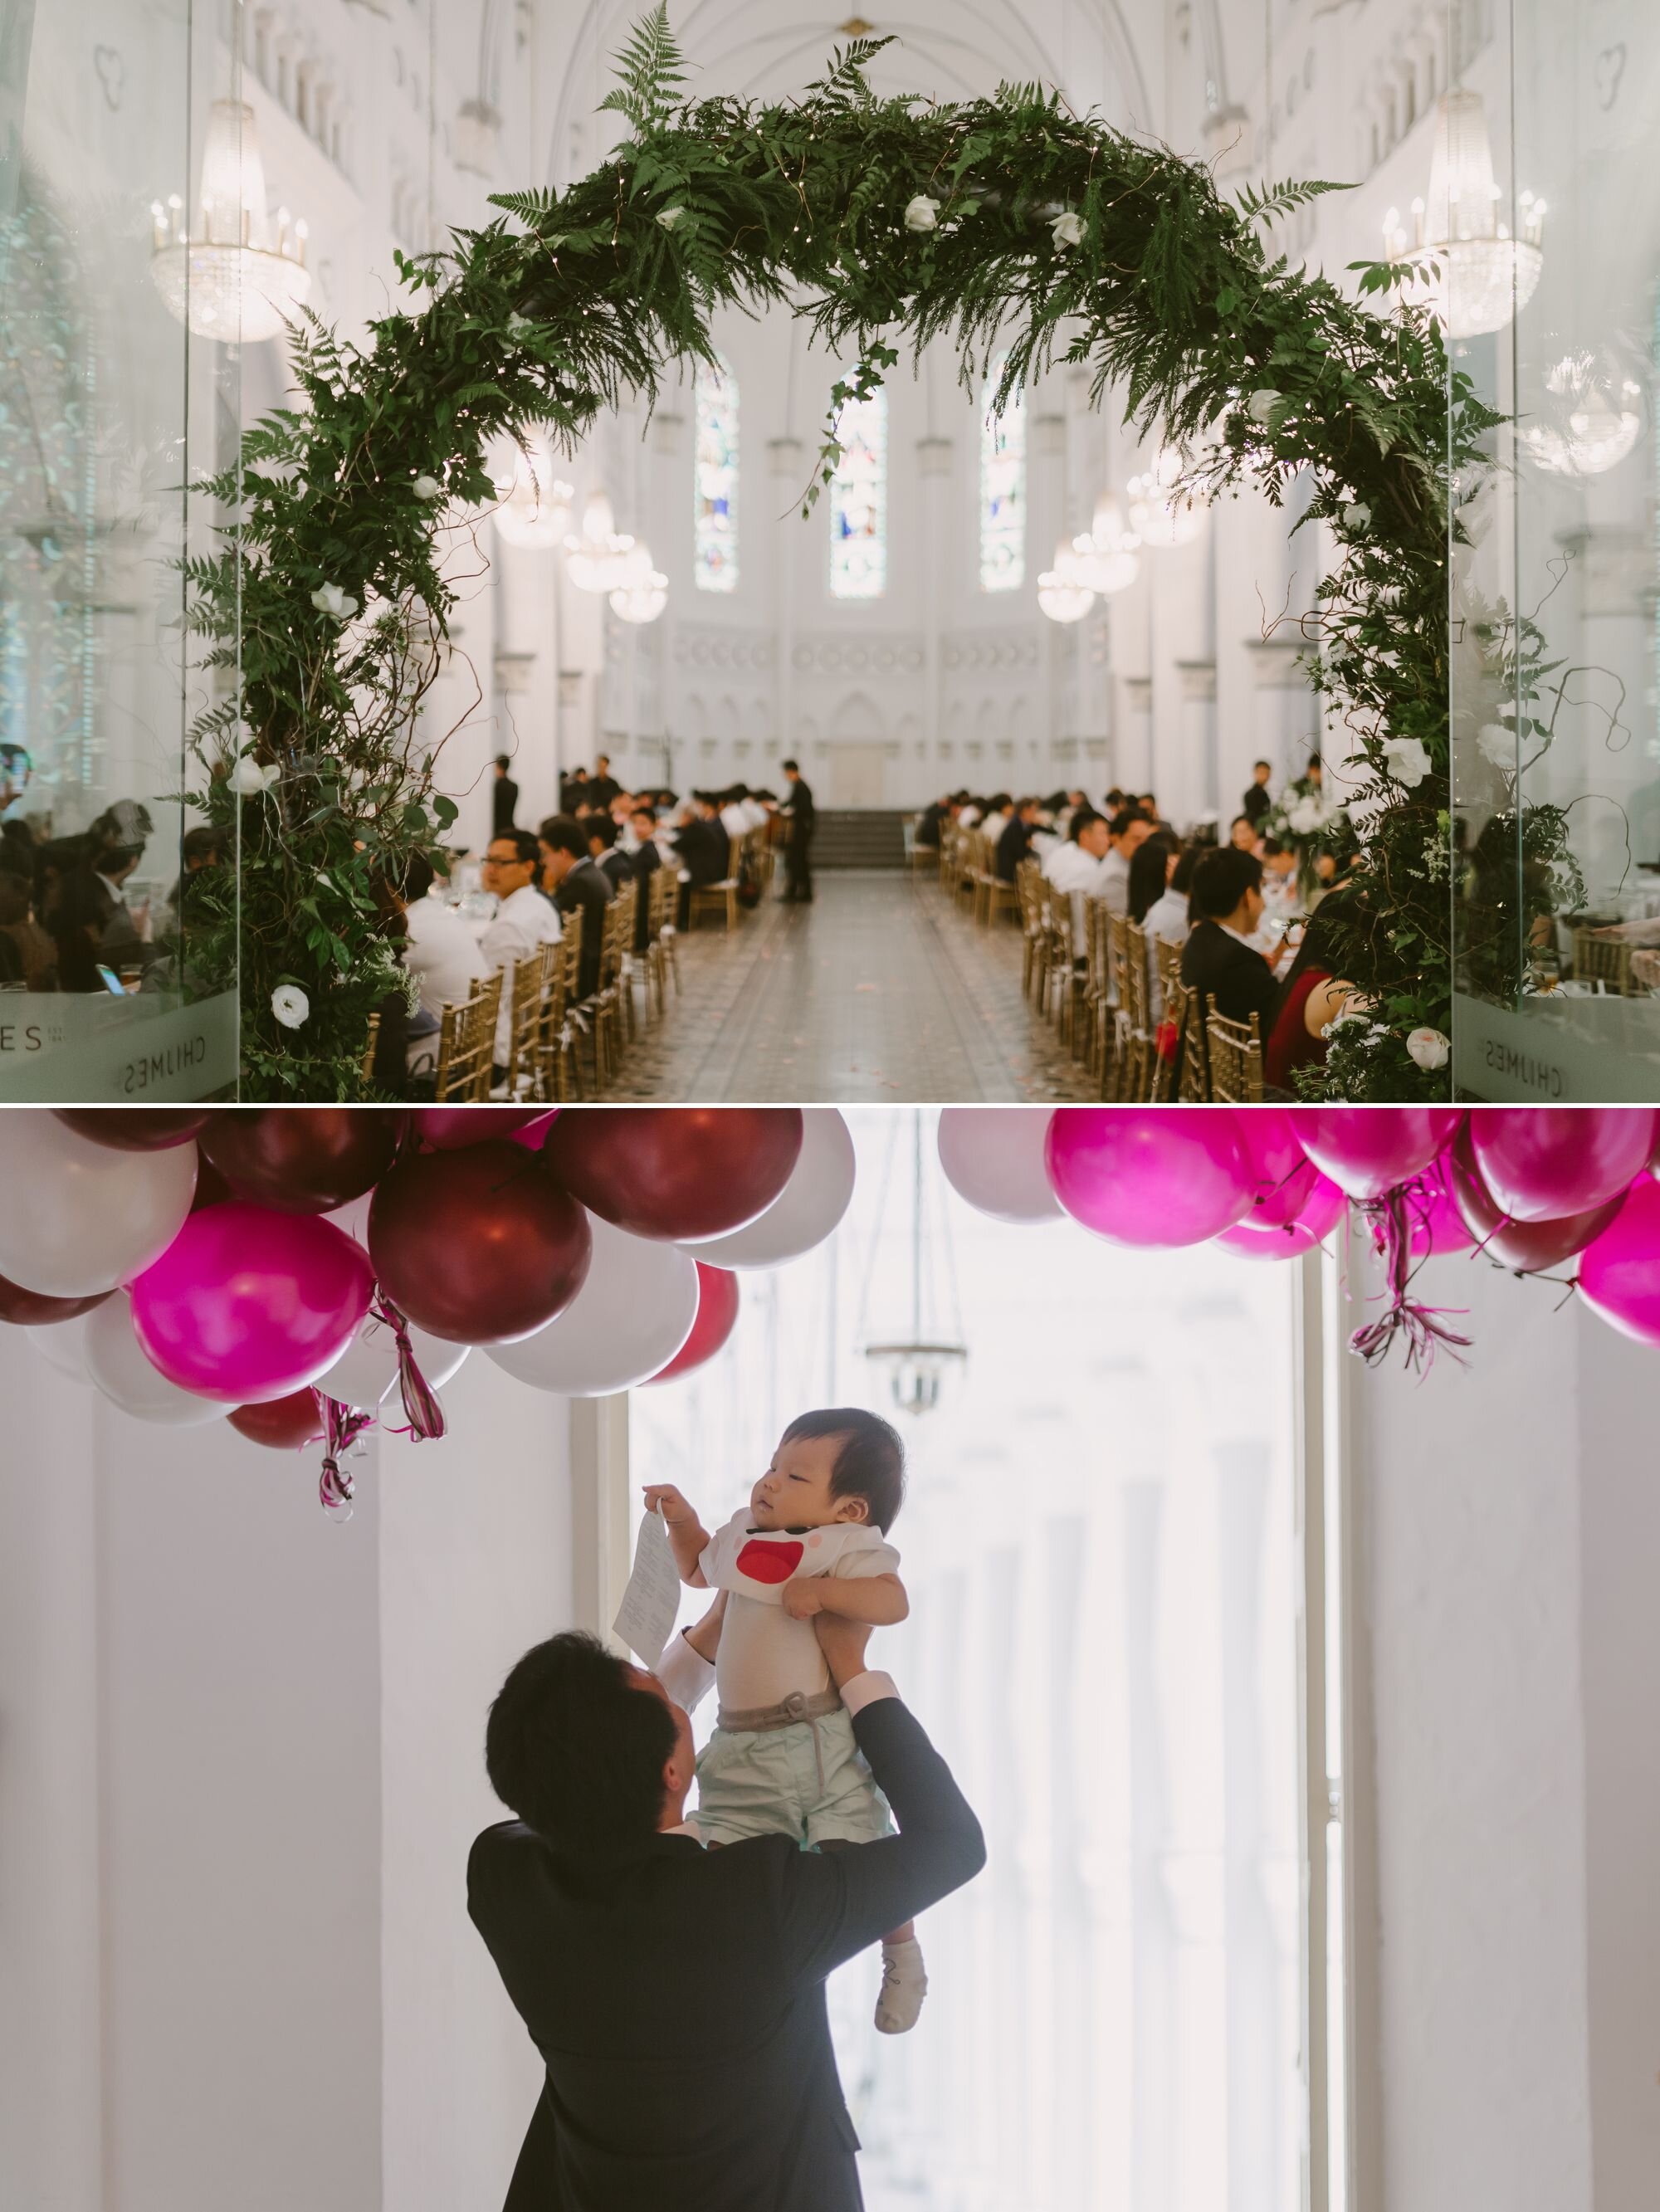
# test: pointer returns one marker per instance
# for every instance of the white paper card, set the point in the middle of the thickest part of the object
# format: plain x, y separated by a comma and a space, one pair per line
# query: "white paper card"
652, 1600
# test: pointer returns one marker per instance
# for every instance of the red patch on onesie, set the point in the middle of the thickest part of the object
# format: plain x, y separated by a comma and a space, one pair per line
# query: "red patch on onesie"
769, 1563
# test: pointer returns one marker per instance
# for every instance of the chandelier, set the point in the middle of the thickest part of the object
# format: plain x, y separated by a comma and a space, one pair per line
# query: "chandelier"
920, 1358
237, 279
535, 504
1104, 559
1470, 271
643, 592
1158, 515
598, 560
1592, 417
1062, 594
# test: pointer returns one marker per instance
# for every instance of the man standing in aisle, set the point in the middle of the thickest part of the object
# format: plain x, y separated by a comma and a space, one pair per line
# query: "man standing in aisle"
504, 799
799, 807
1258, 797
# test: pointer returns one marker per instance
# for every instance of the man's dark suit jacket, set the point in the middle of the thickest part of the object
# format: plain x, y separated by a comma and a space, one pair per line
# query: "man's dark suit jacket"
703, 849
1257, 800
1013, 847
503, 799
617, 865
797, 803
645, 861
587, 890
1236, 975
677, 1996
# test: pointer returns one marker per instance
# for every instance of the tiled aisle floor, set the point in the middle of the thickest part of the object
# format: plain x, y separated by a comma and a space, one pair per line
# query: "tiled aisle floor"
877, 991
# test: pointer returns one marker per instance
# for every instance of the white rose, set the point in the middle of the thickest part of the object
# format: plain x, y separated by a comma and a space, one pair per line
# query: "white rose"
290, 1005
518, 324
1067, 229
922, 213
330, 599
1261, 404
1409, 762
248, 779
670, 218
1429, 1050
427, 486
1305, 816
1497, 744
1357, 516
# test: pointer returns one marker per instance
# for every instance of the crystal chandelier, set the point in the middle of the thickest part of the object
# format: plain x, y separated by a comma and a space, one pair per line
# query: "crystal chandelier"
234, 280
1103, 558
1591, 418
535, 504
598, 560
1472, 272
1062, 594
644, 592
1159, 515
918, 1363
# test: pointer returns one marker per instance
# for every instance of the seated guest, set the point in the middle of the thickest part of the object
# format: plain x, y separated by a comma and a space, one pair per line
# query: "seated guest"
1015, 842
32, 957
92, 923
928, 822
1076, 865
647, 859
969, 812
199, 849
524, 920
439, 952
1313, 993
1218, 960
576, 886
604, 852
1242, 834
1258, 799
1166, 920
702, 844
1127, 828
1150, 866
999, 810
571, 788
1149, 806
1279, 878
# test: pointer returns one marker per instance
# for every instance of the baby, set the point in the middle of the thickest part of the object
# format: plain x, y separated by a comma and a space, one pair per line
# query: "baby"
782, 1758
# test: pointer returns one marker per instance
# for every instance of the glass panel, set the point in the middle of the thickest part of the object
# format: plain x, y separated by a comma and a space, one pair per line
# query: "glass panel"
859, 501
108, 408
715, 521
1003, 488
1557, 746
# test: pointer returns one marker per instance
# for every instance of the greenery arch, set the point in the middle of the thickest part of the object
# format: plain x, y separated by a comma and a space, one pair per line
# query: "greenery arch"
1008, 224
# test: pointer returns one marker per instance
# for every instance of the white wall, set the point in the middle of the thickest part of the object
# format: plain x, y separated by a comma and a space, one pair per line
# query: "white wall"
240, 1765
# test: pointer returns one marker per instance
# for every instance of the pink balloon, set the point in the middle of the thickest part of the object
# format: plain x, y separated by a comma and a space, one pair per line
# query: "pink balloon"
1543, 1162
531, 1134
449, 1128
246, 1305
1321, 1213
1281, 1172
1367, 1149
1619, 1270
1148, 1175
717, 1299
1437, 1224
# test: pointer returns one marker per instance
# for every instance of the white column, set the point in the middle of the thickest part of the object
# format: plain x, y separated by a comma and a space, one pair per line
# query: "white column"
933, 465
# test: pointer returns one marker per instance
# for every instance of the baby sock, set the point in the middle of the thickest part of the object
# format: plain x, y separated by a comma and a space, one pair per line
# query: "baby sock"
904, 1985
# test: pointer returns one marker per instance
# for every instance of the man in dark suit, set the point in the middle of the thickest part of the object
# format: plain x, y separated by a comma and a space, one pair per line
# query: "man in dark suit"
1015, 842
678, 1995
503, 799
1258, 799
616, 867
1226, 903
603, 785
797, 808
576, 886
647, 858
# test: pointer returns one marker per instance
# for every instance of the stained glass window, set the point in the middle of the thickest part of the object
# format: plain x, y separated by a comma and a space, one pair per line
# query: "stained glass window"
1002, 487
859, 501
715, 554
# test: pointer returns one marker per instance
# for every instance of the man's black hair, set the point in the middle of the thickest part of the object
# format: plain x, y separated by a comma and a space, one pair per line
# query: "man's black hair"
1081, 820
871, 1463
602, 826
1182, 873
501, 760
576, 1750
1221, 880
789, 765
1125, 818
1267, 764
523, 843
560, 834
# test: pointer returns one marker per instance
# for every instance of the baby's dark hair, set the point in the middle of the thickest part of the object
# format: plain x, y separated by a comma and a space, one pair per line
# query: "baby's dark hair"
871, 1463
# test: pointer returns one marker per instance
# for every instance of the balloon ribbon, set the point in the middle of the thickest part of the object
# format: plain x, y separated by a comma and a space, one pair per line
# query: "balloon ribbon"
342, 1426
1391, 1220
422, 1408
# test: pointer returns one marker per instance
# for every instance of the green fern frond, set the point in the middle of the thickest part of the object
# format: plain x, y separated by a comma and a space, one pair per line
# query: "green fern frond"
845, 88
1279, 199
653, 73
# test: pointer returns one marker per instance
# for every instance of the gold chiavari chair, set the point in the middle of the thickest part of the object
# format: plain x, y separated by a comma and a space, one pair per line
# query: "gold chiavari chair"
610, 1021
1137, 1046
1234, 1055
722, 897
662, 954
558, 1076
951, 840
532, 979
1169, 957
1605, 960
370, 1042
1098, 987
466, 1044
1030, 889
1191, 1084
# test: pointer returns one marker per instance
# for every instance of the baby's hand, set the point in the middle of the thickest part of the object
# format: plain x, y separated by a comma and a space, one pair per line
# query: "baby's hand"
663, 1498
802, 1600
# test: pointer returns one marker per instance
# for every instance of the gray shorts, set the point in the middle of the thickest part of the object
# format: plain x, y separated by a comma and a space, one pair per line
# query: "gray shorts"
776, 1781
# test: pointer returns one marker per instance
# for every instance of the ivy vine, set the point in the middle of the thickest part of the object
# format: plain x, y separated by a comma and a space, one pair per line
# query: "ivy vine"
1007, 225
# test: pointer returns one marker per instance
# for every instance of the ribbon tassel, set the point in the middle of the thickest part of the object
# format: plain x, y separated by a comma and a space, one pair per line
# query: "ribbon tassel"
342, 1426
421, 1406
1391, 1219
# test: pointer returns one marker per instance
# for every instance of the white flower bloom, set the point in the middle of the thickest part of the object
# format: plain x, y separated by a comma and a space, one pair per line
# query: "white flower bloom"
290, 1005
1497, 744
1429, 1050
1408, 761
1357, 516
1305, 816
248, 779
1342, 1021
1067, 229
330, 599
922, 213
518, 324
1261, 405
671, 218
427, 486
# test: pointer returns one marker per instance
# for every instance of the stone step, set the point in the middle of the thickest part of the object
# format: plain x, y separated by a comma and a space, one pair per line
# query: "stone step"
861, 837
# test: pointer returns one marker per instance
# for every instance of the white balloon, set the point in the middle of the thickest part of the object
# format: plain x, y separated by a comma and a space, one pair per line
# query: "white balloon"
368, 1368
632, 1314
993, 1156
121, 1368
80, 1217
63, 1345
807, 1209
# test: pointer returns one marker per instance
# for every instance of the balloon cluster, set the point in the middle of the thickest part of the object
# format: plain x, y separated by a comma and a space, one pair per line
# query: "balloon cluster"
291, 1268
1528, 1188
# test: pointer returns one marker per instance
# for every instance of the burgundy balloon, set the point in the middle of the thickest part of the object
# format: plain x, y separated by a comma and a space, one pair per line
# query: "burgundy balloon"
284, 1423
211, 1188
449, 1128
1548, 1162
677, 1173
479, 1246
34, 1310
717, 1317
302, 1159
136, 1128
1527, 1246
